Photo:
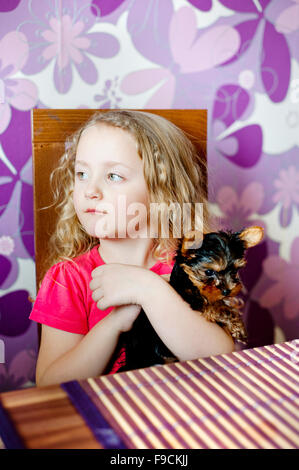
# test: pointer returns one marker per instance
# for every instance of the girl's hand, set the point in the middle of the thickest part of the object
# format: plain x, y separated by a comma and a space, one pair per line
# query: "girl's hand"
121, 284
125, 315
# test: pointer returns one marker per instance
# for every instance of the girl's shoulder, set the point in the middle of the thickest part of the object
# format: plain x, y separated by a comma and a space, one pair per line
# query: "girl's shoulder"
81, 265
91, 258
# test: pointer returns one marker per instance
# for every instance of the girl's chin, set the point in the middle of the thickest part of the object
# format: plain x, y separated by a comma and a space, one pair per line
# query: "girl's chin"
102, 236
113, 233
106, 235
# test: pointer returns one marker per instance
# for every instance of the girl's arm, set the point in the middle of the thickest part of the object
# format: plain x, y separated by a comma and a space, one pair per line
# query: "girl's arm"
65, 356
183, 330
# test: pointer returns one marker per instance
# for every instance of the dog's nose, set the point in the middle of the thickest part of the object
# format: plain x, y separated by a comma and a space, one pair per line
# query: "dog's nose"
225, 291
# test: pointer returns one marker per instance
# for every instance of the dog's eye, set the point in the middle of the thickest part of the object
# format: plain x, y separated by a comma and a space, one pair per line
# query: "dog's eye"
209, 272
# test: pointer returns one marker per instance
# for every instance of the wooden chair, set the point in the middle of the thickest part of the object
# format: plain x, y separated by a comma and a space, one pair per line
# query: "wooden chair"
50, 127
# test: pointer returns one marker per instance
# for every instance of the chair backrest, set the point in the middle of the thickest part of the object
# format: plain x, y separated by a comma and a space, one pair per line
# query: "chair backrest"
50, 127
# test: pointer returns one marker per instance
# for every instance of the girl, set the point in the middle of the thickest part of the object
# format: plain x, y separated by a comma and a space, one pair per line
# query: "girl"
101, 274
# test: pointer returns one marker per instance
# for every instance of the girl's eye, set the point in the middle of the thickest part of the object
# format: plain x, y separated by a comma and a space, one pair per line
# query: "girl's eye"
115, 174
209, 272
115, 177
79, 173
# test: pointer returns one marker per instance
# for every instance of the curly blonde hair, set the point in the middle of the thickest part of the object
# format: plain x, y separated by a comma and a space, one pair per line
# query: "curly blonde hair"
173, 171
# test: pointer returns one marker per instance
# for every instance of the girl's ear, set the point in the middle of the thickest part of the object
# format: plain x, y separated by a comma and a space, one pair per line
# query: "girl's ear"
251, 236
192, 240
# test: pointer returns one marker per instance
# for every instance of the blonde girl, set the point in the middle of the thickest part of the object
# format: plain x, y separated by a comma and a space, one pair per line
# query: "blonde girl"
103, 266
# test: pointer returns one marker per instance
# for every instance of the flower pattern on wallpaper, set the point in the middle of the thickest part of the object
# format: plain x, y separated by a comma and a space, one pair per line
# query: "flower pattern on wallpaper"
285, 17
244, 146
238, 209
288, 20
285, 287
103, 8
20, 371
109, 97
175, 44
63, 36
17, 92
8, 5
203, 5
270, 172
280, 122
7, 246
275, 61
287, 192
16, 195
11, 244
12, 323
15, 322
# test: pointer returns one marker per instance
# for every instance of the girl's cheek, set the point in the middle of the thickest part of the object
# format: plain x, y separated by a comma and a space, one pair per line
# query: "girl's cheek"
75, 201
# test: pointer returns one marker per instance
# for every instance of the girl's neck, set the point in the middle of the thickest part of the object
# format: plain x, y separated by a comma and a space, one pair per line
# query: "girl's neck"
137, 252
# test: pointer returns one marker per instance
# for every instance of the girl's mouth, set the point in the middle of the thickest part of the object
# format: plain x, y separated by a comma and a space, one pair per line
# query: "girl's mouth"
93, 211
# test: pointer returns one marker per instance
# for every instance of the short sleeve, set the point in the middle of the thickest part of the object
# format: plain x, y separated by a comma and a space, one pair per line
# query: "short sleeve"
59, 302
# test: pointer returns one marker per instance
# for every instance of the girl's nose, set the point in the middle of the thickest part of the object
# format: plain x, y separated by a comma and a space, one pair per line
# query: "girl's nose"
93, 191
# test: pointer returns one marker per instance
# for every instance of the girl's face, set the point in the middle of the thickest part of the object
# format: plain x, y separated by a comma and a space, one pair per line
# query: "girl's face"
109, 177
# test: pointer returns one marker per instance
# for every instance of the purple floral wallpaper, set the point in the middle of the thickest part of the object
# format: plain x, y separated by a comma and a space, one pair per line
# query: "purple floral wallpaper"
237, 58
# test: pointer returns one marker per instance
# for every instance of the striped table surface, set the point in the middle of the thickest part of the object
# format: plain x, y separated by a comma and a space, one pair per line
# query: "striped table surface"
246, 399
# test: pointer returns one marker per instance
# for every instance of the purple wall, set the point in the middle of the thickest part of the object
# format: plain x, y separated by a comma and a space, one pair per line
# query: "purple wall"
237, 58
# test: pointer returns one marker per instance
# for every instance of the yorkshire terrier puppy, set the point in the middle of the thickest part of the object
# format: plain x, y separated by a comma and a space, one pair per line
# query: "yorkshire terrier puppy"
205, 274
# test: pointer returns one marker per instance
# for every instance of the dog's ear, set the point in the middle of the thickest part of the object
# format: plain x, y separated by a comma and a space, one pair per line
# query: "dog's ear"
192, 240
251, 236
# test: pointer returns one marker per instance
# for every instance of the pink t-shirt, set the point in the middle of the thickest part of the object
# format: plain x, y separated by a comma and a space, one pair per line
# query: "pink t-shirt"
64, 299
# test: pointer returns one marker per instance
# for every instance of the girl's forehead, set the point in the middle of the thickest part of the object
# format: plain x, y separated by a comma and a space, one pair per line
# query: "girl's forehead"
105, 131
106, 136
104, 141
